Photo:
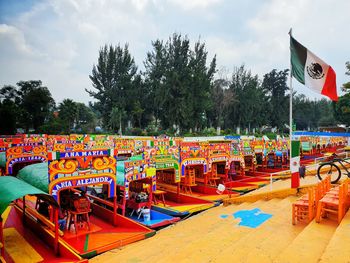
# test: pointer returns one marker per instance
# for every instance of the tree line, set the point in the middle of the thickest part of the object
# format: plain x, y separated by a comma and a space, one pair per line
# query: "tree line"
180, 91
29, 107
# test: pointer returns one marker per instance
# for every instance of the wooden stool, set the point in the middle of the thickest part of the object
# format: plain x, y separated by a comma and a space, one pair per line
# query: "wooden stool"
73, 219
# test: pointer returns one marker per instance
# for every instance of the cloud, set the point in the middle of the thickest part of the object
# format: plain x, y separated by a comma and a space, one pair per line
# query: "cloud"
15, 41
314, 25
58, 41
194, 4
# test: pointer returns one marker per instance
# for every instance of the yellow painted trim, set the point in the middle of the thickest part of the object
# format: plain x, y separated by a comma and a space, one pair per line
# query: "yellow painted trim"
60, 239
18, 248
5, 215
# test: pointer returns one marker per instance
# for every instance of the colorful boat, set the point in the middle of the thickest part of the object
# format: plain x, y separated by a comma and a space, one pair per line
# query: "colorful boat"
156, 219
176, 204
24, 233
72, 172
136, 188
164, 153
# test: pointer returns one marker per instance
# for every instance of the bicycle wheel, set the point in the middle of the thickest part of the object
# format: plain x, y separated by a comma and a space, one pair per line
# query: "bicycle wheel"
329, 169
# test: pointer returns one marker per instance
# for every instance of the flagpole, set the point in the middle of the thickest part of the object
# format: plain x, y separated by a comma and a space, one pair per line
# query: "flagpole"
290, 117
290, 110
294, 161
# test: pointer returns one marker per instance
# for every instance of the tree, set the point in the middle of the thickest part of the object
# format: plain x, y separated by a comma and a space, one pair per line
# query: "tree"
86, 119
346, 86
36, 103
115, 119
201, 78
275, 86
137, 112
68, 113
179, 82
342, 107
9, 100
112, 79
222, 97
155, 65
311, 114
248, 110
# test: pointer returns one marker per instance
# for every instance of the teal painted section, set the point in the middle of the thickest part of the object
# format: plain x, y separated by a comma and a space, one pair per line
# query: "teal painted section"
121, 173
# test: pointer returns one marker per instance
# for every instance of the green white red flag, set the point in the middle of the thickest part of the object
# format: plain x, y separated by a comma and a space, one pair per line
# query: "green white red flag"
295, 157
311, 71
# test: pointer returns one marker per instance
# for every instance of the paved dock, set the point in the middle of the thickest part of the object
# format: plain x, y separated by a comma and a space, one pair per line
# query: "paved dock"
216, 236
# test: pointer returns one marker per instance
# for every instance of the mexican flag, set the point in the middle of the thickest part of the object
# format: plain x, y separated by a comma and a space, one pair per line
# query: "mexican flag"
295, 163
311, 71
295, 157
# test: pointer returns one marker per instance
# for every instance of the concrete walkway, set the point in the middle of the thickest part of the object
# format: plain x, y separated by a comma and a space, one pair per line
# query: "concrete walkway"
207, 237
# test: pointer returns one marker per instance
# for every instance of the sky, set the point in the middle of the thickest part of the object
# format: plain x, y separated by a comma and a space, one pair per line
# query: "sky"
57, 41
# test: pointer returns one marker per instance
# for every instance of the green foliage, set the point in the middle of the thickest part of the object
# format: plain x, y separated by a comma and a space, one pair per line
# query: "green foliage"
310, 114
113, 79
30, 106
176, 93
135, 132
36, 103
8, 117
179, 81
209, 132
53, 126
27, 106
247, 110
115, 119
275, 86
68, 112
221, 99
86, 118
271, 136
346, 86
9, 100
342, 109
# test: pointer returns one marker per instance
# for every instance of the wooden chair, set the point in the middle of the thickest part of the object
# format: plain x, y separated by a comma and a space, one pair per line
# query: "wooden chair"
213, 176
304, 208
188, 181
326, 184
333, 202
73, 219
158, 196
80, 214
346, 194
318, 193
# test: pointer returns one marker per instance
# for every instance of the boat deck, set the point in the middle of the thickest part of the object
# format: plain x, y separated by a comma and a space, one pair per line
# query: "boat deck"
86, 243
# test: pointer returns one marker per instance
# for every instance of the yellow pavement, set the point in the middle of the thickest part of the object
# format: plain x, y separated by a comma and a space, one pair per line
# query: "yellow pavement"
207, 237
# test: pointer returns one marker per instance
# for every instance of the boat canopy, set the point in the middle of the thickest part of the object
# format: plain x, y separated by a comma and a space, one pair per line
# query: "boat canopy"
36, 175
12, 188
